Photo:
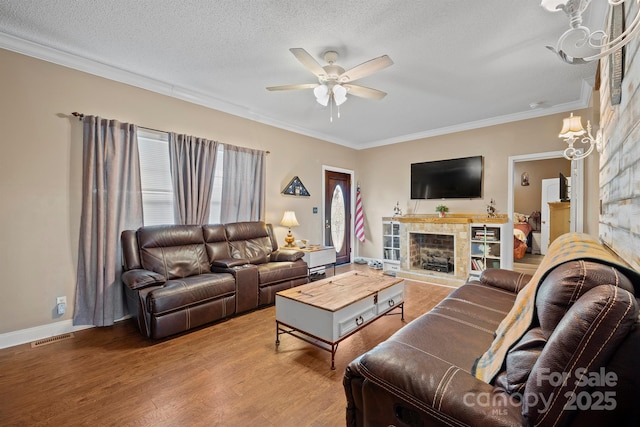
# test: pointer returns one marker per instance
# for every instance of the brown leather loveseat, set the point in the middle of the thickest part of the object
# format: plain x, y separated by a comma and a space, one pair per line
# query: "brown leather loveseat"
178, 277
574, 363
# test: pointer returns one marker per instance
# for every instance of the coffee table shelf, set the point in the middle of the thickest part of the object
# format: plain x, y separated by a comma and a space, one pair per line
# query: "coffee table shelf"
325, 312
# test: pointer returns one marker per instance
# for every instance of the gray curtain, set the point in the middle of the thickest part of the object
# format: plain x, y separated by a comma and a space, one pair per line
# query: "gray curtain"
111, 203
192, 166
243, 184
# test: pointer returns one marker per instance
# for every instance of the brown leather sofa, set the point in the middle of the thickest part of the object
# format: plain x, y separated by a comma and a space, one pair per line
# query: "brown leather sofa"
178, 277
576, 365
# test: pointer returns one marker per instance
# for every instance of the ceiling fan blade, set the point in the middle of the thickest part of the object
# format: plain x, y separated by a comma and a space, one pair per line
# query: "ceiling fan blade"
365, 69
293, 87
365, 92
308, 61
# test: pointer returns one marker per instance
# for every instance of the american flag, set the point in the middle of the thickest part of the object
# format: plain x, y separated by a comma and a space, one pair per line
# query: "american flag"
359, 217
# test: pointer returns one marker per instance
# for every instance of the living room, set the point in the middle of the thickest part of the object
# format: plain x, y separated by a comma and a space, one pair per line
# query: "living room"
41, 170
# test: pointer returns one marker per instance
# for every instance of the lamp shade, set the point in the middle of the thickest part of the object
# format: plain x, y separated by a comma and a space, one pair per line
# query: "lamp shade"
289, 219
571, 127
321, 93
339, 94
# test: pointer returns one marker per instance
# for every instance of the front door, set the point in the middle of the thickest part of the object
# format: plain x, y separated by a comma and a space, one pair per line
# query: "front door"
337, 214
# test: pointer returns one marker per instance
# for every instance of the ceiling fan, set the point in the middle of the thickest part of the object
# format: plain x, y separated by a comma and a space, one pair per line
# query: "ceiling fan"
334, 83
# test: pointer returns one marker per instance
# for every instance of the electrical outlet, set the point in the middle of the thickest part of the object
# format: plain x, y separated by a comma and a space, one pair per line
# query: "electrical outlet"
61, 304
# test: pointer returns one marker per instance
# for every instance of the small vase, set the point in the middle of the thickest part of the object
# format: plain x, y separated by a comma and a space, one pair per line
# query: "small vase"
441, 214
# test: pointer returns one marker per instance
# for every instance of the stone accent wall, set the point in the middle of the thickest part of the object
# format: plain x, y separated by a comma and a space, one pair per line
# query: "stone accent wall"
619, 226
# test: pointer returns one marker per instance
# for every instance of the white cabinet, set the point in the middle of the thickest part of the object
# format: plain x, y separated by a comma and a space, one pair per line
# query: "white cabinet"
489, 247
391, 245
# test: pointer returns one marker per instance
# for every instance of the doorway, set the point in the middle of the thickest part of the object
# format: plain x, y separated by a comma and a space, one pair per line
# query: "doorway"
577, 190
337, 213
550, 193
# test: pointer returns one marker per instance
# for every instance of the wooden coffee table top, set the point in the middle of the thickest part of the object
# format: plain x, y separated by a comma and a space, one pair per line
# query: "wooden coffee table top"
334, 293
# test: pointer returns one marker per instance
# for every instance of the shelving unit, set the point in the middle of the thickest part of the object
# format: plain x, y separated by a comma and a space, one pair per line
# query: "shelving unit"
487, 249
391, 245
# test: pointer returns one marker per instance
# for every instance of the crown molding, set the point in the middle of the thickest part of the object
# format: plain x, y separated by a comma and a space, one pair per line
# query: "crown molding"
69, 60
585, 98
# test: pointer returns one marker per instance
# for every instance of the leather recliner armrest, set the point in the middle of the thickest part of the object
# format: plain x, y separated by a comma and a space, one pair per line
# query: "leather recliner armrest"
138, 279
432, 384
286, 255
228, 263
504, 279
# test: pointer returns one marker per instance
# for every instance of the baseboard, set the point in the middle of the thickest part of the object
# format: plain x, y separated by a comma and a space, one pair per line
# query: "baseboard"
28, 335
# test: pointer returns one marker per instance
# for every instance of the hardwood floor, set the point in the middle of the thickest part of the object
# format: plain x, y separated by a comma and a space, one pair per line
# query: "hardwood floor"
228, 373
529, 264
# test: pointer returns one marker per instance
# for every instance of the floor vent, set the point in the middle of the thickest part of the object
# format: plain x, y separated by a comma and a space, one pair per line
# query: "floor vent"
51, 340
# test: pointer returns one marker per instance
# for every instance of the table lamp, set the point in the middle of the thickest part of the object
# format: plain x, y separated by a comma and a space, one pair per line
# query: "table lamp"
289, 220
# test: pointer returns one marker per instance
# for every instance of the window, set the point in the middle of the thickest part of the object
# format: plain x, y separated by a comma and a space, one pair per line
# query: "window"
155, 176
216, 190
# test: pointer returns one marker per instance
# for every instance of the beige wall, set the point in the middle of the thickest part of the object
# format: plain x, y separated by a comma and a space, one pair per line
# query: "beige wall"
527, 199
385, 171
40, 176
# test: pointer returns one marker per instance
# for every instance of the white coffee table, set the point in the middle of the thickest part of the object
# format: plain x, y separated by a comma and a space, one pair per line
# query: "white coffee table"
325, 312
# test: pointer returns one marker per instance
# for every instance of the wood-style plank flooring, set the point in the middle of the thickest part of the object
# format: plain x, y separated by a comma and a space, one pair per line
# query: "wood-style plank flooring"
228, 374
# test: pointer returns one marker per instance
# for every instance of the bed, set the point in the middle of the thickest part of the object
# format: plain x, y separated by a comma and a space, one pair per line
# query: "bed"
521, 235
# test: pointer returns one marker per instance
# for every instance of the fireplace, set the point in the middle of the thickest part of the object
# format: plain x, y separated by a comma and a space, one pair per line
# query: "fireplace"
440, 244
432, 251
445, 246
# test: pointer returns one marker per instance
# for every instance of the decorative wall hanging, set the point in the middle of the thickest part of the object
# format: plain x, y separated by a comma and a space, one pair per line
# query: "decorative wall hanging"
524, 179
616, 59
295, 188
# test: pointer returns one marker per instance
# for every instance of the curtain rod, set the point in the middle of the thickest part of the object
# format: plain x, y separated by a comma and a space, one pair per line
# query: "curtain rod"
80, 116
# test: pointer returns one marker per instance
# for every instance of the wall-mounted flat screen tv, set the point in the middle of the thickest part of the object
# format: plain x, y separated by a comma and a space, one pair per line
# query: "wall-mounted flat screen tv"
447, 179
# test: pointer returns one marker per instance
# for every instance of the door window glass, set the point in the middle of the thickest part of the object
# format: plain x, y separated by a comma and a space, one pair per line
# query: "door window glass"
337, 218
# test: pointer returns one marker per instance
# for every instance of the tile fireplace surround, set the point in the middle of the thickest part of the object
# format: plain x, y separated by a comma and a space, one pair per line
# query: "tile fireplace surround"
455, 225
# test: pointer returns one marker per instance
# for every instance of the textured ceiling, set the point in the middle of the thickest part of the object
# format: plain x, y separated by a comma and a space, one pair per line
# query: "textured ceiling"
457, 64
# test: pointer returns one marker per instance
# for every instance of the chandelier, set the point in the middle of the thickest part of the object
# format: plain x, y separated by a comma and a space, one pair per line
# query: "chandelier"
575, 40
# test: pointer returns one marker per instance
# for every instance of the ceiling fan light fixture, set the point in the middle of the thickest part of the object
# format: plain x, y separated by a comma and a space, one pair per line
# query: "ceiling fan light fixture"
339, 94
334, 82
321, 93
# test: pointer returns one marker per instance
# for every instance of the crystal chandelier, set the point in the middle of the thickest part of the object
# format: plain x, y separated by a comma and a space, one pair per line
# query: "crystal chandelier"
579, 37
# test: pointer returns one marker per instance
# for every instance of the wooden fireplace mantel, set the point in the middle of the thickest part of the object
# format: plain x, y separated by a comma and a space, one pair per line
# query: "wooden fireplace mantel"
457, 218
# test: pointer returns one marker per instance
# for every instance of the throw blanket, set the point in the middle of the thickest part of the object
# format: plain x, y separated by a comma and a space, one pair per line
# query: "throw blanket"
519, 234
567, 247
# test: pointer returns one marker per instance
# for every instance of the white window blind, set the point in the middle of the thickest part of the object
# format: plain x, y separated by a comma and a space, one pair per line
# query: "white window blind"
216, 191
155, 176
